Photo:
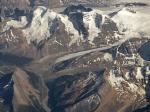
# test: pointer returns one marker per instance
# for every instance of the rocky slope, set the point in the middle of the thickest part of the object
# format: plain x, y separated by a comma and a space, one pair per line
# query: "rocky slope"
80, 59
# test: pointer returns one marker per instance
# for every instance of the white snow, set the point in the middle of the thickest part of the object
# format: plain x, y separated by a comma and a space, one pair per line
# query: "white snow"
134, 88
89, 22
74, 35
140, 60
44, 21
131, 1
147, 70
116, 82
108, 57
139, 75
43, 24
61, 2
127, 76
132, 22
18, 24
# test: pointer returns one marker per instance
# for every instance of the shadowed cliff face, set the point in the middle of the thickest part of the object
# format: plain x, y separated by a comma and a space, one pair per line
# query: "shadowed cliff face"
144, 51
75, 14
73, 90
11, 59
6, 91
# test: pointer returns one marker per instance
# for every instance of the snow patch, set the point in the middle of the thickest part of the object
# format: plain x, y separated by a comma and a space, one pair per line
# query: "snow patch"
127, 75
117, 82
139, 75
18, 24
134, 88
108, 57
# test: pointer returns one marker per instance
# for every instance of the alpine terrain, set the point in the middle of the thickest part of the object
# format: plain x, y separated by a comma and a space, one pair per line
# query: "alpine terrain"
74, 56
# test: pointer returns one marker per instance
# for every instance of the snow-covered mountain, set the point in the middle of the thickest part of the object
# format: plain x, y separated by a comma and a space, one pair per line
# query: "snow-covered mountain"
79, 59
82, 24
